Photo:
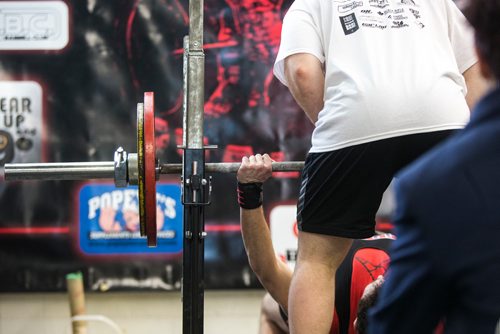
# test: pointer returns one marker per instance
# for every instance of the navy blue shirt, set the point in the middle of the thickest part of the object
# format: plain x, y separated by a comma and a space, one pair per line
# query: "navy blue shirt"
445, 263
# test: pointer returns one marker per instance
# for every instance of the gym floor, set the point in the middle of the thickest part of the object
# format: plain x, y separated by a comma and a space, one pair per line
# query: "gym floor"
226, 311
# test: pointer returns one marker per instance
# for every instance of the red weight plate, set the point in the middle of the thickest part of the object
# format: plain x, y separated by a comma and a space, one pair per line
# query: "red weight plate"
150, 168
140, 168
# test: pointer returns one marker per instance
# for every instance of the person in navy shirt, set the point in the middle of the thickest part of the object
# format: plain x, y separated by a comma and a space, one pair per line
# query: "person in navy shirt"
445, 263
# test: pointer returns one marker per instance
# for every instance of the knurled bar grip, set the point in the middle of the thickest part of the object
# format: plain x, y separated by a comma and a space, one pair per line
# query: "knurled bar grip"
232, 167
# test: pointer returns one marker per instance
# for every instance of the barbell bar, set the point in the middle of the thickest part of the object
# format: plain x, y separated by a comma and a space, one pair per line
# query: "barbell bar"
141, 168
76, 171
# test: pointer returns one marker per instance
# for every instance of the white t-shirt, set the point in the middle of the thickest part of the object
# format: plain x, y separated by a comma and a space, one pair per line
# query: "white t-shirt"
393, 67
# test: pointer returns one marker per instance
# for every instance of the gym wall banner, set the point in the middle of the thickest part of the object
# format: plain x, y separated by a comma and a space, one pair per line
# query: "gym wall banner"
71, 75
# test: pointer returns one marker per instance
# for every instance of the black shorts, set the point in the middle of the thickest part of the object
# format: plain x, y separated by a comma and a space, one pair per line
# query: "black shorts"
341, 190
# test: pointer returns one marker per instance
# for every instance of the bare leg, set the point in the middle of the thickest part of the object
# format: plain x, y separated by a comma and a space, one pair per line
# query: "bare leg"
312, 293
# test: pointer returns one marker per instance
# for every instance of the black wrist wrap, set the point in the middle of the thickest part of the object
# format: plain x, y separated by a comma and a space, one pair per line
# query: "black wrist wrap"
249, 195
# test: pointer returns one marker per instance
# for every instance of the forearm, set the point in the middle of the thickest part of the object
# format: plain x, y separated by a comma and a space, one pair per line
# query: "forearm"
274, 275
306, 81
257, 240
477, 85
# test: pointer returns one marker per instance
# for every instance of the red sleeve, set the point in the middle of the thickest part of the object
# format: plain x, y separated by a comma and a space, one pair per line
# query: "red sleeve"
367, 265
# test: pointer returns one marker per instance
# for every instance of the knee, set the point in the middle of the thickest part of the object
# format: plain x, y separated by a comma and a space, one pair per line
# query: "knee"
322, 251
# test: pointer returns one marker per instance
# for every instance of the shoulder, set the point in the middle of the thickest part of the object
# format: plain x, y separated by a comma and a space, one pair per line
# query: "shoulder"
308, 6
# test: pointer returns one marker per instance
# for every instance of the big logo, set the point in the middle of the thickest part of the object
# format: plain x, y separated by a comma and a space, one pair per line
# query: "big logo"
21, 122
109, 220
34, 25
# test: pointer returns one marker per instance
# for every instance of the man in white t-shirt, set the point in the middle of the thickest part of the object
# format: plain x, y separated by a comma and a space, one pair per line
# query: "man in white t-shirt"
383, 81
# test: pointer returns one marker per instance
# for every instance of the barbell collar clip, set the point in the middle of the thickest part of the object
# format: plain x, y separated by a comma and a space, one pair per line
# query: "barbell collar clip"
121, 168
133, 169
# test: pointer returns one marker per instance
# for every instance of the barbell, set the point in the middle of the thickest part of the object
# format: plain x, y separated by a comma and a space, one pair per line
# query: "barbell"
142, 169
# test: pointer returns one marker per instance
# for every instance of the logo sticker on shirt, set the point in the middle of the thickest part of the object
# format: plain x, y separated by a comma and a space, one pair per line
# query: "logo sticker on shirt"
379, 3
349, 24
408, 2
402, 15
350, 6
